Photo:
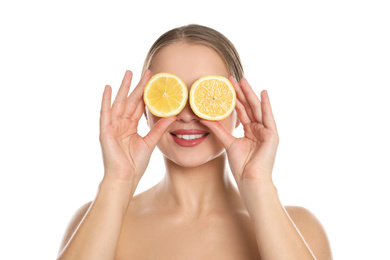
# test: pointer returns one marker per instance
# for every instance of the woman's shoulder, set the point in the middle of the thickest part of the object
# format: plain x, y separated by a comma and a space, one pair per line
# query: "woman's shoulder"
134, 208
310, 228
74, 223
302, 216
79, 215
298, 211
304, 219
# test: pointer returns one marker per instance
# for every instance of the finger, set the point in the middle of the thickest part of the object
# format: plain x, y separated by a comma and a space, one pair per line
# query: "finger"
241, 98
252, 99
105, 111
268, 117
121, 98
241, 112
136, 95
138, 111
223, 135
154, 135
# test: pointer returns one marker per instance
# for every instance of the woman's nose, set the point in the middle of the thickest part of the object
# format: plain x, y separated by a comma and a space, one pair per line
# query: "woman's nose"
187, 115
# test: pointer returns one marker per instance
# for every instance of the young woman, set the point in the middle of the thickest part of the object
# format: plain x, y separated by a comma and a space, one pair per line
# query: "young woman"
195, 212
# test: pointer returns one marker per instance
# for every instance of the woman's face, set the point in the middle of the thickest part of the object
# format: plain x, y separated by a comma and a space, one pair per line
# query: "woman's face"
190, 62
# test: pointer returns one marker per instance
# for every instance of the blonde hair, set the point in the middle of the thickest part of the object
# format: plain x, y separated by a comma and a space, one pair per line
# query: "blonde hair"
199, 34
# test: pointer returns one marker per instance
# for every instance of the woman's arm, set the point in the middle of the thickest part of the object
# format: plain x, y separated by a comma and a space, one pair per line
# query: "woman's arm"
251, 160
94, 233
126, 156
278, 235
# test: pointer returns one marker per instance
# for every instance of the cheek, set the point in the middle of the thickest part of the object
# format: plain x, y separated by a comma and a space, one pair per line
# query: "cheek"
163, 144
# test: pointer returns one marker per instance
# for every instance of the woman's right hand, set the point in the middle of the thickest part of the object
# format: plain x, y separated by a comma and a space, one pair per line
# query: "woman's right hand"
125, 153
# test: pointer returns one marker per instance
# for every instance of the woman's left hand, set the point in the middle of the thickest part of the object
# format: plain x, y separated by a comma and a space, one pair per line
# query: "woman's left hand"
251, 157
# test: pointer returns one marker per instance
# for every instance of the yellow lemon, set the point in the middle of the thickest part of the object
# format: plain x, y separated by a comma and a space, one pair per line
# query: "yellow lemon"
212, 97
165, 95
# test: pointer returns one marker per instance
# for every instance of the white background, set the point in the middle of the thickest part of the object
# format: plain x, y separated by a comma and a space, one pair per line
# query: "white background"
326, 65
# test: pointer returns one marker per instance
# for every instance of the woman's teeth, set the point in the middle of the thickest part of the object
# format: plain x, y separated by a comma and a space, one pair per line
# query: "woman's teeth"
190, 137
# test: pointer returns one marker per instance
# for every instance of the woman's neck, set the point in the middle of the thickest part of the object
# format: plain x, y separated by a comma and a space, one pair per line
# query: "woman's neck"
200, 190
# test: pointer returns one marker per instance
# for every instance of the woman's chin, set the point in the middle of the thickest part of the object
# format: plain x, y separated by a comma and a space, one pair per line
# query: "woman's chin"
191, 161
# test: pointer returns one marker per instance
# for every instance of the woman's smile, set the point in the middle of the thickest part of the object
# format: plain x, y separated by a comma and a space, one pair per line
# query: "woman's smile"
189, 137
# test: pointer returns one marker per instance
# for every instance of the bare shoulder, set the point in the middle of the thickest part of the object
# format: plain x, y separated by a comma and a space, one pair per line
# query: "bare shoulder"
73, 224
312, 231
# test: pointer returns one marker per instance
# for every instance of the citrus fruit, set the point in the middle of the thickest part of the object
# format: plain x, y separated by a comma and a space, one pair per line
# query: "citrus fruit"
165, 95
212, 97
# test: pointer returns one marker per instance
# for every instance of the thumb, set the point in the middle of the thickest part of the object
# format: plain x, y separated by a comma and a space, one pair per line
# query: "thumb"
223, 135
155, 133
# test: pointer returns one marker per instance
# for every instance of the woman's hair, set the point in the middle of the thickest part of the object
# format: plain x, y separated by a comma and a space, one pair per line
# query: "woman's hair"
199, 34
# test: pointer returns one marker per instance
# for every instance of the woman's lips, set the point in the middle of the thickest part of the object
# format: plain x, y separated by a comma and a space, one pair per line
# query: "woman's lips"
189, 137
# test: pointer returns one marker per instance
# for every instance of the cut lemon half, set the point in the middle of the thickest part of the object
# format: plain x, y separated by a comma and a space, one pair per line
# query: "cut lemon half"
165, 95
212, 97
